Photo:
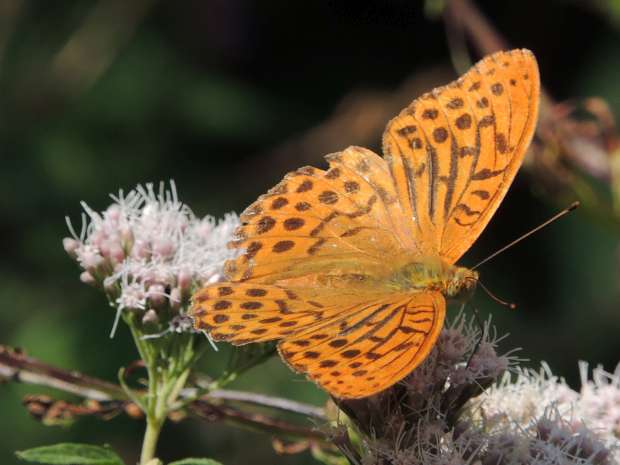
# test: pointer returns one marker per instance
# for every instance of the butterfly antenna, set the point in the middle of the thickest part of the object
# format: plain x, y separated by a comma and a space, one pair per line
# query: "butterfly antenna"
557, 216
510, 305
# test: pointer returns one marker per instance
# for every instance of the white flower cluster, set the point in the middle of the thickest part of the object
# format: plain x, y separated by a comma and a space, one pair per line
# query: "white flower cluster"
598, 404
148, 251
533, 399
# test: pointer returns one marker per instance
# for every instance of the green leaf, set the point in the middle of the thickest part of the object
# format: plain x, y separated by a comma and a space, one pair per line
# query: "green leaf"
71, 454
192, 461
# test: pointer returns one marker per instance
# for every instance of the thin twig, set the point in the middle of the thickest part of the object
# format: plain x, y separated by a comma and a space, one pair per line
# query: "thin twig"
262, 400
214, 412
16, 366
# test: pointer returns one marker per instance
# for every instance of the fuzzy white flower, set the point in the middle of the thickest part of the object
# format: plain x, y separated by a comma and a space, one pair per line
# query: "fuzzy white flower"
529, 400
148, 250
525, 395
599, 400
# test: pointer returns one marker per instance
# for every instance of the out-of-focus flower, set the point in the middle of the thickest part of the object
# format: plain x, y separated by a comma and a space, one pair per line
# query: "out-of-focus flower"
464, 406
413, 415
528, 399
599, 401
148, 251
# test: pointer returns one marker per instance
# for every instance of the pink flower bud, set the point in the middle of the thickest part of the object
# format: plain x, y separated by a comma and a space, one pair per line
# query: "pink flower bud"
175, 298
116, 253
97, 238
113, 213
104, 248
90, 259
87, 278
156, 295
71, 246
150, 317
164, 247
141, 249
184, 280
204, 229
109, 285
126, 236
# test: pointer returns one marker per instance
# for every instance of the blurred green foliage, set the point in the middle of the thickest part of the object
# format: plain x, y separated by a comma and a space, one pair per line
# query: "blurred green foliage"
200, 90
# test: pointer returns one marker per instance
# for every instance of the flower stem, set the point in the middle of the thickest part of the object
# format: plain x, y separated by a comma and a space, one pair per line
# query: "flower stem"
149, 443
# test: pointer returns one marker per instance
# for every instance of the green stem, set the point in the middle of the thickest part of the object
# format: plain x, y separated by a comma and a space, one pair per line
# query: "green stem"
168, 362
149, 443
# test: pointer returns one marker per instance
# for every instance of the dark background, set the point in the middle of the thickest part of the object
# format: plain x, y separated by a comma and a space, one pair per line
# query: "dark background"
206, 92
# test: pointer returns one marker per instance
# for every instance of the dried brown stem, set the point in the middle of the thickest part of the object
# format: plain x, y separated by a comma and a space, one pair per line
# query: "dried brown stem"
107, 399
261, 400
213, 412
564, 150
586, 153
16, 366
358, 119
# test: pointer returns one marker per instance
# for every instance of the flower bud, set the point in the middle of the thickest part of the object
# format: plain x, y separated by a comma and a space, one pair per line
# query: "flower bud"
156, 295
97, 238
150, 318
87, 278
164, 247
113, 213
90, 259
71, 246
175, 299
126, 237
109, 285
117, 255
184, 280
141, 249
104, 249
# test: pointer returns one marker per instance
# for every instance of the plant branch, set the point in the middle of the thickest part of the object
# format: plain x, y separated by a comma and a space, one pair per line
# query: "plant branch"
588, 154
358, 119
254, 420
16, 366
262, 400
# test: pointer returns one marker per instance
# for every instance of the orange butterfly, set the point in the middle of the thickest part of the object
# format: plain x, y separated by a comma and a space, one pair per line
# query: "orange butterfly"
350, 268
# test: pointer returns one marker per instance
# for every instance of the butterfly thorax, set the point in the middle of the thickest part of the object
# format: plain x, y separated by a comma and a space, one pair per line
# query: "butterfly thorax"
432, 273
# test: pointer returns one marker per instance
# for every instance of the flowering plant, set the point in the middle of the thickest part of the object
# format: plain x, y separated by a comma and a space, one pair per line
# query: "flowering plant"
148, 252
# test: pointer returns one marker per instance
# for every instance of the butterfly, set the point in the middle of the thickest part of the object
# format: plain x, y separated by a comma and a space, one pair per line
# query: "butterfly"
350, 267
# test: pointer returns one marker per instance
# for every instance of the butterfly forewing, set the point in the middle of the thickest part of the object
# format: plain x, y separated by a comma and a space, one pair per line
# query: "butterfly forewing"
315, 220
454, 152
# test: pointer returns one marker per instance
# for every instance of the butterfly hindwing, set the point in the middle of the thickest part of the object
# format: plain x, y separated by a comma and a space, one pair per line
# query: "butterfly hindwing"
241, 313
368, 348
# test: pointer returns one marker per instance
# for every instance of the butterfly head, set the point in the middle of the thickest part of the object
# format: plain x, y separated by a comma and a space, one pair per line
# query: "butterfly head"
461, 283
